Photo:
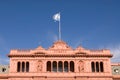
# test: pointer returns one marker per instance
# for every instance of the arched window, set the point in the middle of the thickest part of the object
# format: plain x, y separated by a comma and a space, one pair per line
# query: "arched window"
54, 66
101, 67
18, 67
49, 66
65, 66
27, 66
23, 66
97, 67
93, 66
71, 66
60, 66
3, 69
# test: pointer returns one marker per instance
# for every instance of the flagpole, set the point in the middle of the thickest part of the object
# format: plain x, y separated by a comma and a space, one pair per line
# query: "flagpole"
56, 17
59, 28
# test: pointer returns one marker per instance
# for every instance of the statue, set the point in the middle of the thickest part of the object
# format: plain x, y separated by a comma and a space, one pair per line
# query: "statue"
39, 67
81, 66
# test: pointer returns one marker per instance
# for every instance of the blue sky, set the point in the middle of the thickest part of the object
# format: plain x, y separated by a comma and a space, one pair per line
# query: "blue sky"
26, 24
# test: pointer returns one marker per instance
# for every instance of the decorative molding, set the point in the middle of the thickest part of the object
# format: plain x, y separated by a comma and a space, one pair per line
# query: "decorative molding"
60, 45
62, 55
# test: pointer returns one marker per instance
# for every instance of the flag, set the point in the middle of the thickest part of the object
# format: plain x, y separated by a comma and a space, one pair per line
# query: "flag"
56, 17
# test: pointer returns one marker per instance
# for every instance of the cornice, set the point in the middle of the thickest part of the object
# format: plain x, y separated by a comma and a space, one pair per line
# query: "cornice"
62, 55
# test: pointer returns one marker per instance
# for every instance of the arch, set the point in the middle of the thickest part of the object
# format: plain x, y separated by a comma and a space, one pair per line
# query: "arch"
18, 66
49, 66
60, 66
101, 67
23, 66
93, 66
54, 66
71, 66
97, 67
27, 66
66, 66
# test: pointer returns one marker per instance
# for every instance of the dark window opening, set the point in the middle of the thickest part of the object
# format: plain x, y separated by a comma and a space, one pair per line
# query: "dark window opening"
116, 70
97, 67
71, 66
23, 66
60, 66
93, 66
101, 67
27, 66
65, 66
49, 66
18, 67
54, 66
3, 69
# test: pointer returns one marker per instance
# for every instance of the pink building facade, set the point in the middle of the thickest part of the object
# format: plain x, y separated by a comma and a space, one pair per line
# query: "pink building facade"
59, 62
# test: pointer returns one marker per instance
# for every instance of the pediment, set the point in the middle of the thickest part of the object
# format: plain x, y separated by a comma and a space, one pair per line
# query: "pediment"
60, 45
40, 48
80, 48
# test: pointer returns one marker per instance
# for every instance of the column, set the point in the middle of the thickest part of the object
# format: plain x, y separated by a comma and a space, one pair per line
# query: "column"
57, 65
63, 66
25, 67
99, 67
20, 66
69, 66
95, 66
51, 66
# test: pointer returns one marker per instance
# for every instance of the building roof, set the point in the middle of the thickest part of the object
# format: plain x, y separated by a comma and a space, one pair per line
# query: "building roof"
60, 49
